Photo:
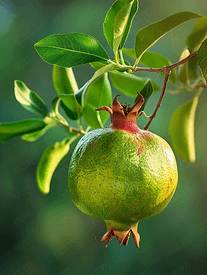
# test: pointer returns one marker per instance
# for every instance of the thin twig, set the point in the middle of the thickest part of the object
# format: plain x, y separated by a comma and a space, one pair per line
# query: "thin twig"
167, 68
160, 100
70, 129
201, 86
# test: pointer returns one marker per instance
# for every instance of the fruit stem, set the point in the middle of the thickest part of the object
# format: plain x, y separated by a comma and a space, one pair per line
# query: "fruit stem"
160, 100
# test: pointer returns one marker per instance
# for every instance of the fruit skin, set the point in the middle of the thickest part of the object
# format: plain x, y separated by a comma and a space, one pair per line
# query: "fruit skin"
116, 175
122, 177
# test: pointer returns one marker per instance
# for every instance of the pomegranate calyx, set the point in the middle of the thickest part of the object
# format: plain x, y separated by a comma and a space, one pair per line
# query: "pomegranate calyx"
122, 236
122, 116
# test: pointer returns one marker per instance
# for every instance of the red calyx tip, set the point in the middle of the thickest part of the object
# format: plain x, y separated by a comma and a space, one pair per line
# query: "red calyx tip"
123, 117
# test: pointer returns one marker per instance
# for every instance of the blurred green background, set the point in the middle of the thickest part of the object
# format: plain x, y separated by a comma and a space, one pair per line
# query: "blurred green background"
48, 235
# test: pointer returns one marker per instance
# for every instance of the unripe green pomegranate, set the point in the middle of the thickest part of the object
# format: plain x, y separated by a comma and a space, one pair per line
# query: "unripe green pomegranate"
122, 174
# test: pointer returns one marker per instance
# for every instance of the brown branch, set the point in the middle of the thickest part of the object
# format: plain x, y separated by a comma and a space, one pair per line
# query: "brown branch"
201, 86
68, 128
167, 68
160, 100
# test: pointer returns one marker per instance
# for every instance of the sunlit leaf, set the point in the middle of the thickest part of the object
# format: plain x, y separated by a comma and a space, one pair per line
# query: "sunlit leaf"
198, 34
70, 50
182, 130
149, 35
36, 135
183, 69
118, 22
92, 117
202, 58
64, 80
80, 93
98, 94
18, 128
49, 161
29, 99
130, 84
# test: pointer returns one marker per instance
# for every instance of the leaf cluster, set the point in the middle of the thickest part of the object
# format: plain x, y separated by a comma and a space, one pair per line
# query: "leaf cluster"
65, 51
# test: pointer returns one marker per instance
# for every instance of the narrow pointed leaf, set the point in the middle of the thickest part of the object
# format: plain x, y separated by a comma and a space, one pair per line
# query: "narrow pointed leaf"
36, 135
183, 69
130, 84
64, 80
193, 68
72, 115
182, 130
92, 117
202, 58
70, 105
70, 50
152, 60
29, 99
149, 35
79, 95
146, 92
133, 11
81, 92
98, 65
118, 21
198, 34
55, 109
98, 94
49, 161
70, 101
66, 87
18, 128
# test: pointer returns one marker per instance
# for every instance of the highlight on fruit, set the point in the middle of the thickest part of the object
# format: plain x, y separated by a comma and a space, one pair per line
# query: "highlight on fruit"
122, 174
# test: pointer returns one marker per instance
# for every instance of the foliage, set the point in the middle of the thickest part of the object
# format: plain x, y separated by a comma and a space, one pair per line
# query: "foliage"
65, 51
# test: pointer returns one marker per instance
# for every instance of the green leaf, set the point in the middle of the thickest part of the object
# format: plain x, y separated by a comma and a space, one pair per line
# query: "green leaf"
192, 68
49, 161
202, 58
55, 110
98, 94
183, 69
70, 103
70, 50
152, 60
126, 62
93, 117
36, 135
79, 95
103, 70
64, 80
66, 87
198, 34
149, 35
182, 130
193, 42
129, 84
18, 128
118, 22
130, 52
72, 115
29, 99
81, 92
98, 65
146, 92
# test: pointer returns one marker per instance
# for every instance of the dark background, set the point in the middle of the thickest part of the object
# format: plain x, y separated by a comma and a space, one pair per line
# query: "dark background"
48, 235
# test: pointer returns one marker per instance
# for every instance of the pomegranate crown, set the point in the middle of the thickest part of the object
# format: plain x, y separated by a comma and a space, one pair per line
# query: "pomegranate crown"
122, 116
